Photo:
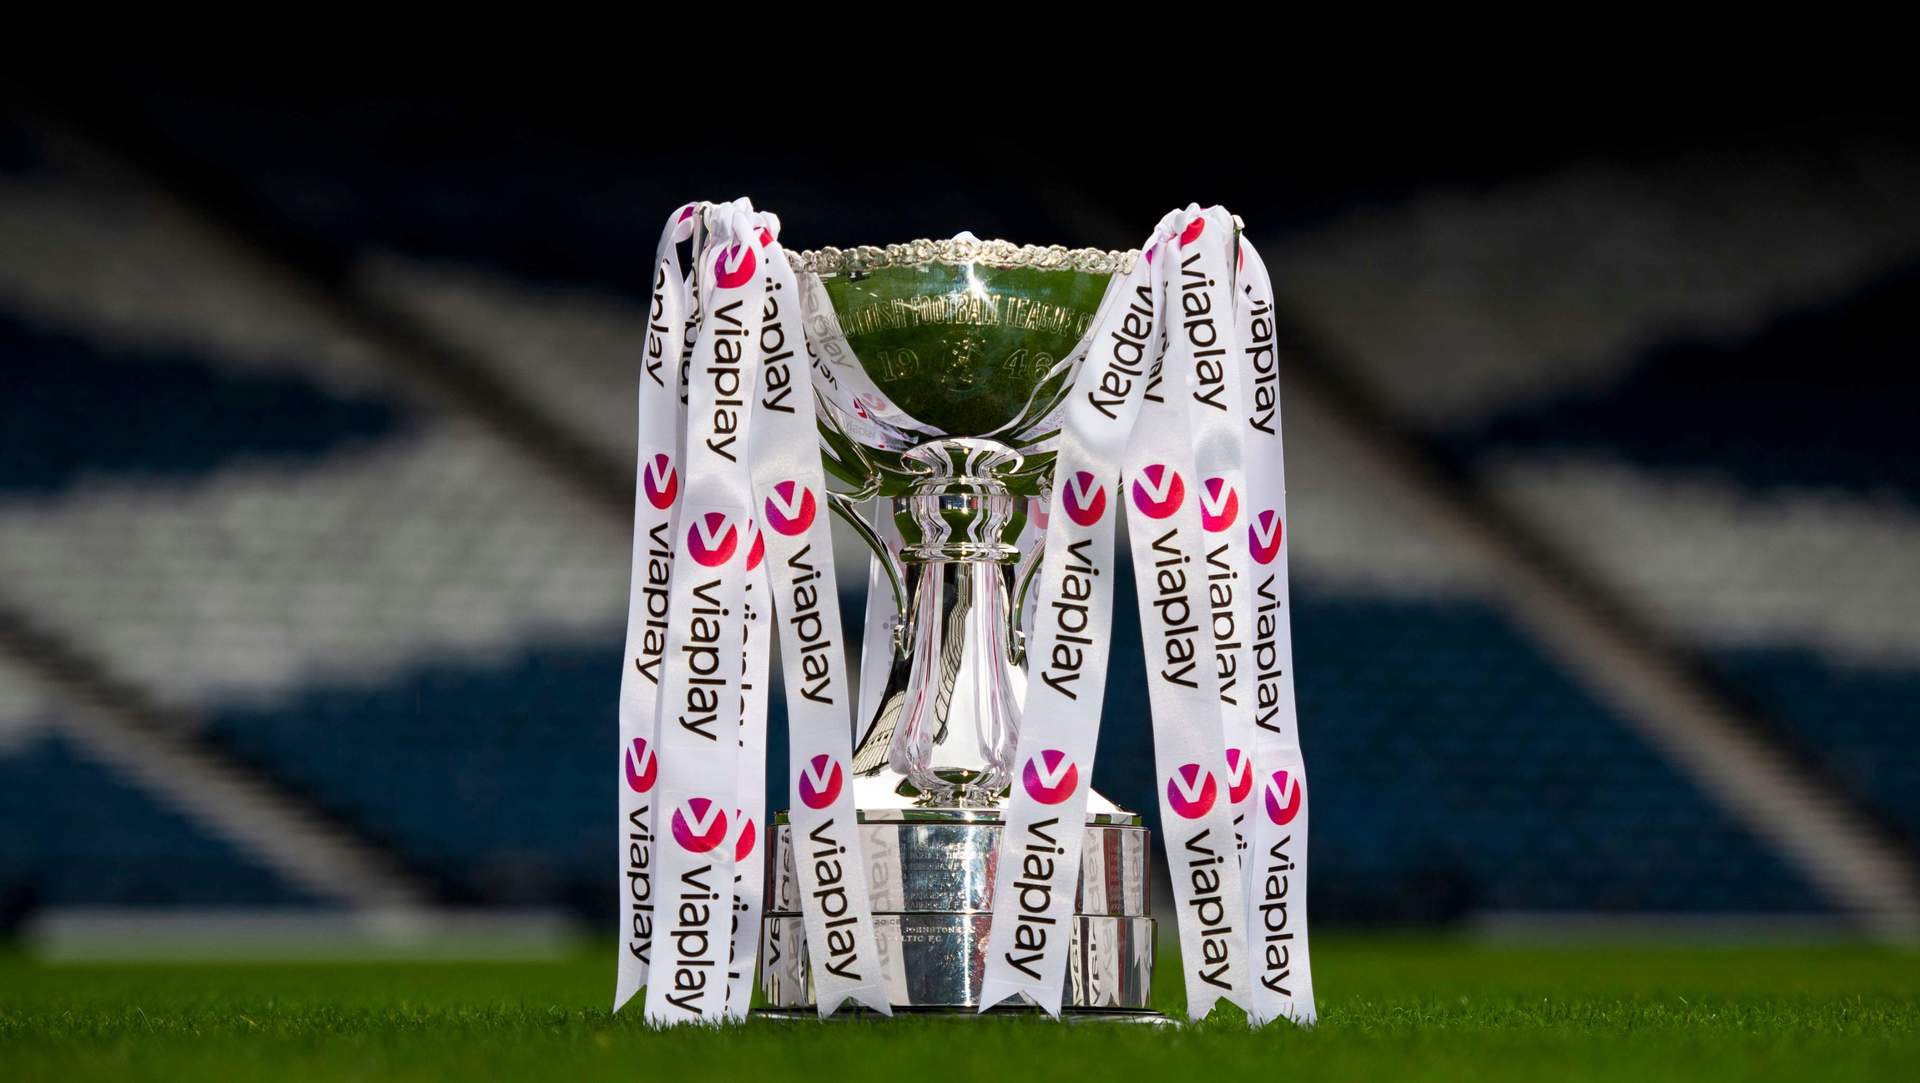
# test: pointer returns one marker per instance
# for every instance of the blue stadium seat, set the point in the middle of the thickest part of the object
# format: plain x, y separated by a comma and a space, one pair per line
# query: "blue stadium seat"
1445, 749
71, 408
1861, 724
496, 780
74, 833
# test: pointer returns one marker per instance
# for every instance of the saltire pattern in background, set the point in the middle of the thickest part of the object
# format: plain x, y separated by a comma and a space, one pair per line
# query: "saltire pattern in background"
297, 603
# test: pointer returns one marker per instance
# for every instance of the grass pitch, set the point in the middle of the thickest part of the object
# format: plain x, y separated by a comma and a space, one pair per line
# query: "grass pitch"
1392, 1009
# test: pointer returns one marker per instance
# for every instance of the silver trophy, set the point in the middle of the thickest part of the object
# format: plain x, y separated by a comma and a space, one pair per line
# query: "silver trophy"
940, 371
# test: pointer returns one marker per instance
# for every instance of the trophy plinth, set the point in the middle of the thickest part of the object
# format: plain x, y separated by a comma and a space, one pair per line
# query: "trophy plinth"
940, 369
930, 872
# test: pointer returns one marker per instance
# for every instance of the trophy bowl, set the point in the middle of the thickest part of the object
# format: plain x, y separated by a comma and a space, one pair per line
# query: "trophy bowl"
940, 370
940, 339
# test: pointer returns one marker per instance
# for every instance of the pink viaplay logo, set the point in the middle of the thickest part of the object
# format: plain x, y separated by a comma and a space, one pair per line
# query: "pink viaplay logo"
1191, 791
1193, 231
742, 258
820, 780
1219, 505
758, 549
1263, 536
1037, 512
643, 767
1050, 777
1239, 775
712, 539
661, 482
699, 826
1084, 498
743, 848
1158, 491
790, 508
1284, 793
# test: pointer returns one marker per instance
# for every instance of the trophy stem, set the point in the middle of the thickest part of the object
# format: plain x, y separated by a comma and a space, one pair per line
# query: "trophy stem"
962, 704
1029, 571
950, 713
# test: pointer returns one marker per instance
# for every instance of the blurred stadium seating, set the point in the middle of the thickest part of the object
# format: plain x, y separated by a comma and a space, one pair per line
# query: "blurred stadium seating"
314, 418
73, 833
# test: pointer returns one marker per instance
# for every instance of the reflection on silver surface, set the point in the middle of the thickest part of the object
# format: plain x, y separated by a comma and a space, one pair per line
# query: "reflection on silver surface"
940, 367
950, 711
945, 955
931, 877
948, 868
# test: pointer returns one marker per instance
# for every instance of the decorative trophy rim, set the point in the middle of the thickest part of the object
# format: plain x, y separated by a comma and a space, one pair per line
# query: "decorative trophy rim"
959, 250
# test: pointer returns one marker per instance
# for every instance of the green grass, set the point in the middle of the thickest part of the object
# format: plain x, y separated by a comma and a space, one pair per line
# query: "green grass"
1392, 1009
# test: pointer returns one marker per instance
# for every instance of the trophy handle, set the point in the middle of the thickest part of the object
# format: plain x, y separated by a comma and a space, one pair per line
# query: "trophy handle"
1029, 570
847, 506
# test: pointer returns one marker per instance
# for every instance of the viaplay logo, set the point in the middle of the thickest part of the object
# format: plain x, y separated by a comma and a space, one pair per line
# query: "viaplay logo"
732, 278
820, 780
643, 767
662, 482
1158, 491
1084, 498
699, 826
712, 539
790, 508
1193, 231
758, 549
1263, 536
1219, 505
1283, 798
1191, 791
743, 849
1239, 775
1050, 777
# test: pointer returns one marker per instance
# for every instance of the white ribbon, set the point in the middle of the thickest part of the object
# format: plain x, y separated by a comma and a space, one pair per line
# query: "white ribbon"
1067, 652
1189, 751
700, 696
790, 493
1276, 872
656, 498
749, 830
1203, 343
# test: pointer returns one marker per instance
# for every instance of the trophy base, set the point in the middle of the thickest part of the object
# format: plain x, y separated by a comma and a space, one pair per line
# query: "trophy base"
930, 874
